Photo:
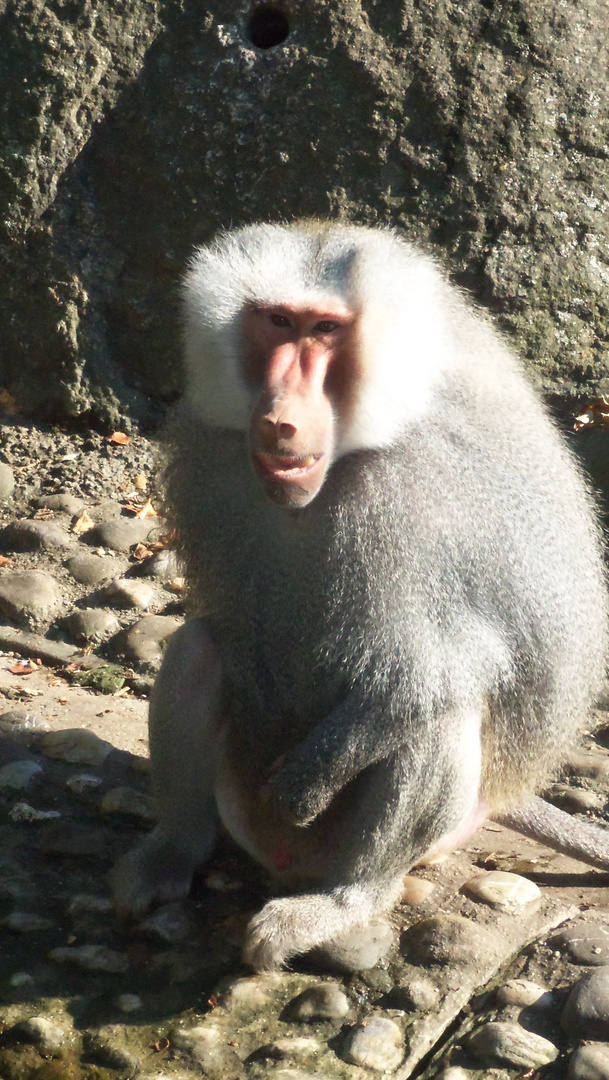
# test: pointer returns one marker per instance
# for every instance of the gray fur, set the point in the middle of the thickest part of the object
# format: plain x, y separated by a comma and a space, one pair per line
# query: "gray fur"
454, 573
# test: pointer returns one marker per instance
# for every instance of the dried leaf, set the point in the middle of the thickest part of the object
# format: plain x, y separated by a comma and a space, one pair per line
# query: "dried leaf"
118, 437
140, 482
5, 561
22, 669
162, 1044
147, 510
178, 585
82, 524
596, 413
141, 552
43, 514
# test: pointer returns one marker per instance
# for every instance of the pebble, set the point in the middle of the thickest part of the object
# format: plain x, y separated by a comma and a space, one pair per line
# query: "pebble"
76, 745
447, 939
83, 782
573, 799
509, 1042
377, 1043
586, 1013
418, 995
143, 642
108, 1045
20, 720
589, 1062
129, 1003
26, 922
91, 958
28, 535
121, 534
416, 890
248, 995
22, 979
89, 903
586, 943
293, 1074
503, 890
164, 565
129, 593
90, 569
18, 774
92, 624
453, 1072
169, 924
325, 1001
49, 1037
62, 502
126, 800
29, 596
106, 510
361, 949
23, 812
587, 763
522, 992
7, 482
205, 1044
220, 882
28, 644
299, 1049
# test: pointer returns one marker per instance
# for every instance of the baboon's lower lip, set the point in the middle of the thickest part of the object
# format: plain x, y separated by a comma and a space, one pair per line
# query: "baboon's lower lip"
286, 468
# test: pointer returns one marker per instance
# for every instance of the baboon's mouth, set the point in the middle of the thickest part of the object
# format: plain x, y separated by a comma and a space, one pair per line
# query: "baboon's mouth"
282, 467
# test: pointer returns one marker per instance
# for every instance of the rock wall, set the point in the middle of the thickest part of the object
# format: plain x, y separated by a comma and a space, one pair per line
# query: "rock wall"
130, 132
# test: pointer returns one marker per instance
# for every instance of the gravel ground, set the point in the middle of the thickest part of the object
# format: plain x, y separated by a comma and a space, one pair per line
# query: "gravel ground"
496, 963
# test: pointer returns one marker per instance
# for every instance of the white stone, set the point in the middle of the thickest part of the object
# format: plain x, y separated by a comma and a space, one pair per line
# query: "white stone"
76, 745
91, 957
522, 992
503, 890
17, 774
377, 1043
509, 1042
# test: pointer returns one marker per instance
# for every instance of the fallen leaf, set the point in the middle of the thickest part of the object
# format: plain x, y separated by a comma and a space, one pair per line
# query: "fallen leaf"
43, 514
596, 413
140, 482
5, 561
147, 510
142, 551
22, 669
178, 585
82, 524
118, 437
162, 1044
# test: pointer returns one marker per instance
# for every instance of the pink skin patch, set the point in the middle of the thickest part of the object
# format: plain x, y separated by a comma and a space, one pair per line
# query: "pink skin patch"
283, 859
466, 828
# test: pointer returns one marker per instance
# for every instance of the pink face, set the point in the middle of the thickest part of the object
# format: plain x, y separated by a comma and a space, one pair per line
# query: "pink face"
301, 360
